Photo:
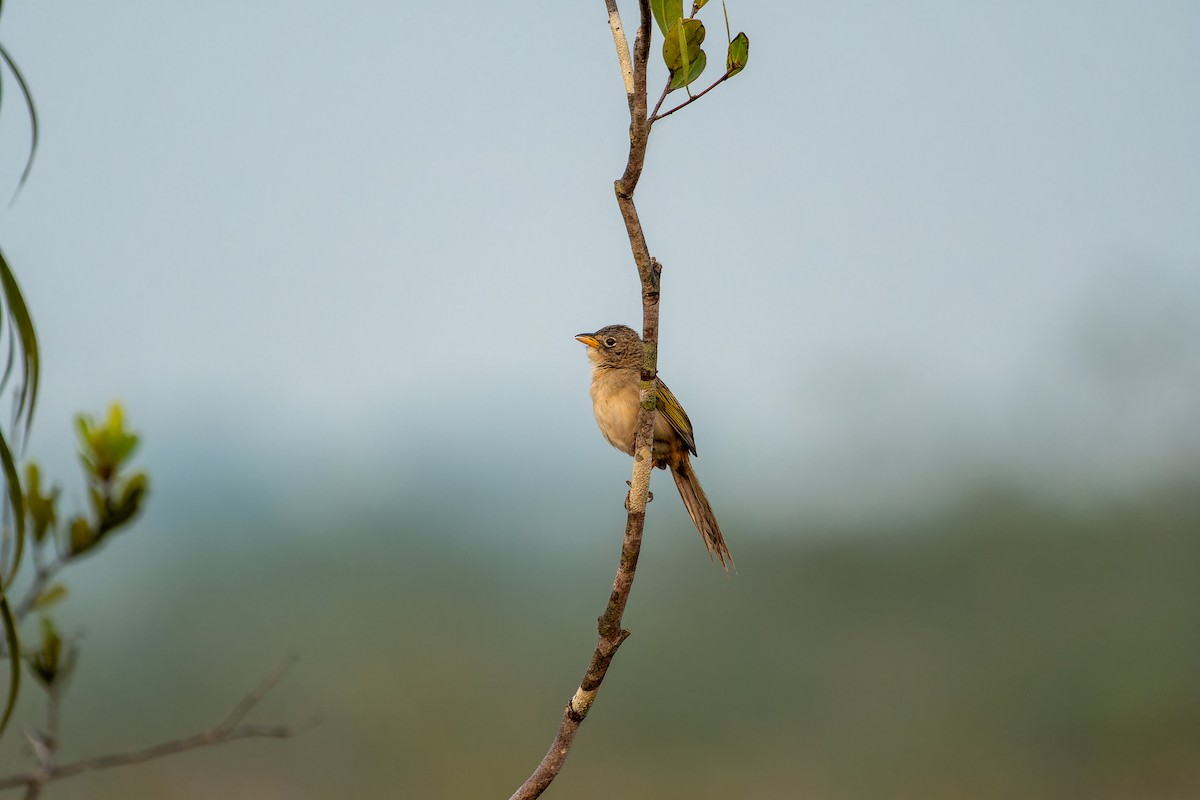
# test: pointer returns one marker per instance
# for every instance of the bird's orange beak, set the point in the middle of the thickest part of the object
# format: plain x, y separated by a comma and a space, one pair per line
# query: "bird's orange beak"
588, 339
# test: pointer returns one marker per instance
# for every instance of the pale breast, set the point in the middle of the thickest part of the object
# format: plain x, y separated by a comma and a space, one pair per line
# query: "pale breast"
615, 401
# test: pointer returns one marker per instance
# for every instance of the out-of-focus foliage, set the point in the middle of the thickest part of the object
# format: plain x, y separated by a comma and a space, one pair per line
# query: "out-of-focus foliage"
115, 497
1002, 647
21, 338
53, 662
42, 508
8, 61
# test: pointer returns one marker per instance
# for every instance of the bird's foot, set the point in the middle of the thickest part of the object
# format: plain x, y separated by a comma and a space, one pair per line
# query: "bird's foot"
649, 495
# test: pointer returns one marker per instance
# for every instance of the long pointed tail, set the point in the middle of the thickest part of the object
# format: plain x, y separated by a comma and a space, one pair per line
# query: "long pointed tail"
701, 512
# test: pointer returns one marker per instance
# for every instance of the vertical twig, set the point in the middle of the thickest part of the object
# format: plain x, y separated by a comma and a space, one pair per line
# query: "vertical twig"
611, 634
622, 44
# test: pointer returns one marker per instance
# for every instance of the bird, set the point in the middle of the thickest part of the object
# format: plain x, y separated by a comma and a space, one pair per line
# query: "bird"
616, 355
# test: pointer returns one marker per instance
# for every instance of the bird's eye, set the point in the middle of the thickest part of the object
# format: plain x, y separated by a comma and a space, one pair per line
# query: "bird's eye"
610, 341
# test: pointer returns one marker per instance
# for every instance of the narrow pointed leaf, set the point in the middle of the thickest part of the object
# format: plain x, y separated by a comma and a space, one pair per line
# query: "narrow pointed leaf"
666, 12
22, 329
12, 356
33, 116
739, 54
14, 659
16, 500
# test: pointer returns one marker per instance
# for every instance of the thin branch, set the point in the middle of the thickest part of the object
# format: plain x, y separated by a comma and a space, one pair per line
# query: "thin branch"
43, 577
661, 98
656, 116
639, 131
611, 633
618, 33
227, 730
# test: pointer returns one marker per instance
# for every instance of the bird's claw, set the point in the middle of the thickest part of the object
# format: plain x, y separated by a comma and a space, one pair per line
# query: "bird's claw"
649, 495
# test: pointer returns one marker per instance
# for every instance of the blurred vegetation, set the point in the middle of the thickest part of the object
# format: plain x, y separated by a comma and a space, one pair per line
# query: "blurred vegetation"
116, 499
23, 367
999, 648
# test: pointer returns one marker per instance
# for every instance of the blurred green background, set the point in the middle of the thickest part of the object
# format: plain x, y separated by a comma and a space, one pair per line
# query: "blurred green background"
931, 298
999, 647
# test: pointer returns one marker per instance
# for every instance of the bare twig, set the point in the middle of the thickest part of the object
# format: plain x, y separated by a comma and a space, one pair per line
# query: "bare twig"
661, 98
227, 730
614, 22
611, 633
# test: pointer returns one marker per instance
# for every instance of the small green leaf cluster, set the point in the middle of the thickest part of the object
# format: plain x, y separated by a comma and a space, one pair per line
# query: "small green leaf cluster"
682, 40
41, 508
50, 665
115, 498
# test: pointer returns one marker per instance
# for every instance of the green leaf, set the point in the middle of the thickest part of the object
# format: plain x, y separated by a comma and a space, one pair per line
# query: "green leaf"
46, 661
739, 54
684, 56
16, 500
23, 328
679, 79
33, 116
699, 4
82, 536
126, 507
132, 493
104, 448
42, 508
682, 42
666, 12
51, 596
14, 658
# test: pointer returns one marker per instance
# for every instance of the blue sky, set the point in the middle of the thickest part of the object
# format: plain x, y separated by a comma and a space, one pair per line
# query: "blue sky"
296, 235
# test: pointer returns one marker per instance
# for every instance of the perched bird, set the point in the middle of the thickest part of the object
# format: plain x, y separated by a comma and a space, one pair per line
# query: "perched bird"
616, 355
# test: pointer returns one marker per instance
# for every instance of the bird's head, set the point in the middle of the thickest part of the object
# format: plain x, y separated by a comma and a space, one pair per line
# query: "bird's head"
613, 346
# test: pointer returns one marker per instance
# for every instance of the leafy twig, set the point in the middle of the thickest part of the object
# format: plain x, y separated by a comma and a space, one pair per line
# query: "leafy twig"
655, 117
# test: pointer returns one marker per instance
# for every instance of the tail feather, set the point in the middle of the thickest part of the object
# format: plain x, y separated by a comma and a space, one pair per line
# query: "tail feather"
701, 513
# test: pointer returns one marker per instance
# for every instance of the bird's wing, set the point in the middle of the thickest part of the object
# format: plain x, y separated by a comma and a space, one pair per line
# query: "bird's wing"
670, 408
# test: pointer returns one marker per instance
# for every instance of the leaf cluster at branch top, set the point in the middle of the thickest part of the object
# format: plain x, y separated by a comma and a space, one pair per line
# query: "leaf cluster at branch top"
105, 447
115, 496
682, 37
115, 499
